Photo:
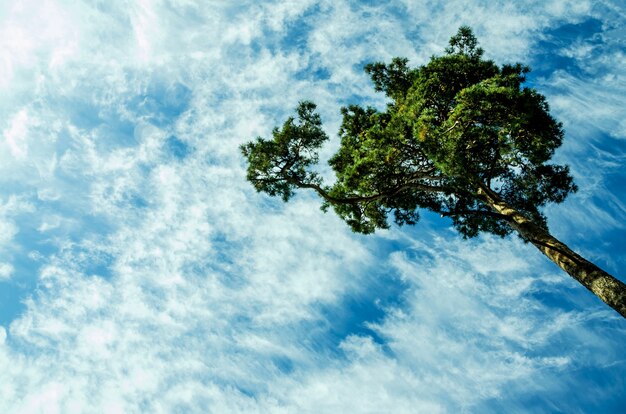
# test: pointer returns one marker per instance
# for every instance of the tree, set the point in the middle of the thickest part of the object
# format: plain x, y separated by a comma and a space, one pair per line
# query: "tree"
460, 136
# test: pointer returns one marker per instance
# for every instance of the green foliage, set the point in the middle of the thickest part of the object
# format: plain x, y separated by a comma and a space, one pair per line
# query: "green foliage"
280, 165
453, 125
464, 43
394, 79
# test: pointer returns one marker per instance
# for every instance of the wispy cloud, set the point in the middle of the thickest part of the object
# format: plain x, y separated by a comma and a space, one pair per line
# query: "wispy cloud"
153, 277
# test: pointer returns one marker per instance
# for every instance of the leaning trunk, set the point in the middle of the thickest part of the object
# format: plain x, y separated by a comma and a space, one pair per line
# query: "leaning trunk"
609, 289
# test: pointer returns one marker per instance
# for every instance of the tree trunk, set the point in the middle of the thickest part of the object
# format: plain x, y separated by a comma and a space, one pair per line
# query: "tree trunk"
609, 289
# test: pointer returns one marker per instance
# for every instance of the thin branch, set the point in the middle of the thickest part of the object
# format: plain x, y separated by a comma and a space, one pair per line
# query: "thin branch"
477, 212
364, 199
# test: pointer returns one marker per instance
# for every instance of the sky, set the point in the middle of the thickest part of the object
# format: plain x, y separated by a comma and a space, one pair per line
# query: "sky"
140, 272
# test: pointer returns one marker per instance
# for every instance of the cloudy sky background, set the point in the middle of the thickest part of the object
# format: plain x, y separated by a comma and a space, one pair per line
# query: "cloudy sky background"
140, 272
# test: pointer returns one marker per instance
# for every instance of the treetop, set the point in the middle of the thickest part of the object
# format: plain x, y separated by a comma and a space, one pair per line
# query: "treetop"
455, 125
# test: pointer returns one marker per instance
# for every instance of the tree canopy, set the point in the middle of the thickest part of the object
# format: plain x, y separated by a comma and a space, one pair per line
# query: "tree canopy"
451, 124
460, 136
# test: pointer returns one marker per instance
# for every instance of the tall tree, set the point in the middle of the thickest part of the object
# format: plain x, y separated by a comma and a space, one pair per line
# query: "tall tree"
460, 136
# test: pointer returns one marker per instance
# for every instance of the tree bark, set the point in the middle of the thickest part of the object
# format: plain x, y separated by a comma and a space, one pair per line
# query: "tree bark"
609, 289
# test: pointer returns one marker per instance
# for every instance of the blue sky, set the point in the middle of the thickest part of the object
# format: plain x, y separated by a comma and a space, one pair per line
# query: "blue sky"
140, 272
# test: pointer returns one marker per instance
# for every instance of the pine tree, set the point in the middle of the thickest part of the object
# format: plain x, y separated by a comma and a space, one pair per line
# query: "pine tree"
460, 136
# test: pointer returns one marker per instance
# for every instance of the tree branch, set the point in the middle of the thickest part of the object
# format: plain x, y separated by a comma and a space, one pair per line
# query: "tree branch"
364, 199
477, 212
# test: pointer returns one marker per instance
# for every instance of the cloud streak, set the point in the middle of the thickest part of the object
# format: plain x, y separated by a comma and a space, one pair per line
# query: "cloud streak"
153, 278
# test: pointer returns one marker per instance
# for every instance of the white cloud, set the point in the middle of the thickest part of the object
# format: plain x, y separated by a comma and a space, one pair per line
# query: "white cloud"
6, 270
168, 284
15, 135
